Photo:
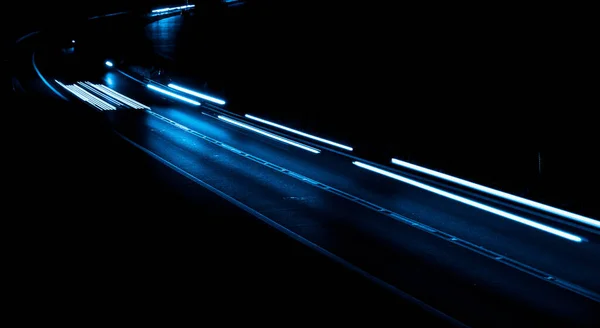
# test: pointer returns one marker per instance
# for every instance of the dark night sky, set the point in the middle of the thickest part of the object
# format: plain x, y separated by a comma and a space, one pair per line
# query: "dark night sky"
39, 13
545, 47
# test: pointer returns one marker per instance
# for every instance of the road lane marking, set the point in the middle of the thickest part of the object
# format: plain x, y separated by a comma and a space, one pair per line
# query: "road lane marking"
400, 218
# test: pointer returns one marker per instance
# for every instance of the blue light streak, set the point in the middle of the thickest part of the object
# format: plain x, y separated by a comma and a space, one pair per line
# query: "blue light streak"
37, 71
114, 94
87, 97
298, 132
501, 194
172, 8
270, 135
197, 94
469, 202
169, 93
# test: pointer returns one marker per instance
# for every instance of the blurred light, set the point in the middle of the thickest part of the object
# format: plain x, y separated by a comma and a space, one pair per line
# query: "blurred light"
232, 3
114, 94
108, 63
93, 99
78, 95
298, 132
469, 202
501, 194
72, 41
197, 94
39, 74
172, 8
87, 97
103, 96
169, 93
270, 135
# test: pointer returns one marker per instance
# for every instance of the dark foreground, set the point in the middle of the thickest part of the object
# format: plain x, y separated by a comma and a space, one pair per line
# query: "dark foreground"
103, 232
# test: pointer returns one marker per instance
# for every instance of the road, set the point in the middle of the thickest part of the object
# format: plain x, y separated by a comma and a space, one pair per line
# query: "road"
115, 240
338, 208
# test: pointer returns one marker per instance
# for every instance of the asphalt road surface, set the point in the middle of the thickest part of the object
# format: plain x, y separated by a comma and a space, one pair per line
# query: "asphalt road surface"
338, 209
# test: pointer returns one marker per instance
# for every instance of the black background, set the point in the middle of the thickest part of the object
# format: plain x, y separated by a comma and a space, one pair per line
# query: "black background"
478, 91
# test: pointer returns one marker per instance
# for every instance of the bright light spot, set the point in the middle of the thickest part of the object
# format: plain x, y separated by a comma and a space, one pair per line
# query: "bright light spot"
469, 202
169, 93
270, 135
298, 132
72, 41
501, 194
108, 63
197, 94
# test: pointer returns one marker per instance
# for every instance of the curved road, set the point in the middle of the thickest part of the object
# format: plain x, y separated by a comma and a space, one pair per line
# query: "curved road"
470, 264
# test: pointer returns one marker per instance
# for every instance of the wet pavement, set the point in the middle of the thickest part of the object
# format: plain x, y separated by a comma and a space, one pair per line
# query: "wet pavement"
428, 267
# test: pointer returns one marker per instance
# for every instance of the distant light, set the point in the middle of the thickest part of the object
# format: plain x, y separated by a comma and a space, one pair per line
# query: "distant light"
469, 202
172, 8
108, 63
197, 94
270, 135
298, 132
233, 3
498, 193
72, 41
169, 93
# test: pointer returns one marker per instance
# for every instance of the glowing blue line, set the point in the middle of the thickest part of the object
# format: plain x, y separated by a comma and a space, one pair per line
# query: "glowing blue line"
270, 135
108, 63
109, 15
517, 199
172, 8
169, 93
197, 94
298, 132
131, 77
463, 200
37, 71
26, 36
